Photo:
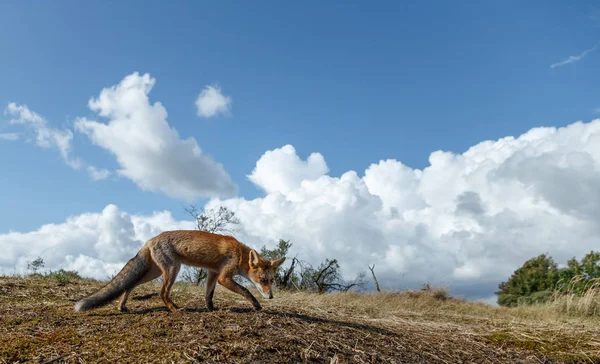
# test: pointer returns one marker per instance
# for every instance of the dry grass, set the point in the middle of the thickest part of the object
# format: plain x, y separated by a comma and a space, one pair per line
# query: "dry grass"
588, 304
37, 324
545, 329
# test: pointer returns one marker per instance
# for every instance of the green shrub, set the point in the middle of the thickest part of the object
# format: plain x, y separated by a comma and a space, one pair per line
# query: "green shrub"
63, 276
509, 300
535, 298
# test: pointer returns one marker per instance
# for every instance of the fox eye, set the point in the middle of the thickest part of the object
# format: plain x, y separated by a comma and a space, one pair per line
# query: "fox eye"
264, 281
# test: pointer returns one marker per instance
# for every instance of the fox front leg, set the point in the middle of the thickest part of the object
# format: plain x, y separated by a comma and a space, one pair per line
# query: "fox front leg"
232, 285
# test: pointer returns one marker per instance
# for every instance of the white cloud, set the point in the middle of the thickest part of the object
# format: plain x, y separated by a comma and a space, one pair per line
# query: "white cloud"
147, 148
98, 174
45, 136
9, 136
572, 59
281, 170
212, 102
466, 221
95, 244
48, 137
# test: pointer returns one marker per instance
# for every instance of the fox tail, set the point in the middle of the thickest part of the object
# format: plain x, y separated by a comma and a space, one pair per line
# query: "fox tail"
132, 272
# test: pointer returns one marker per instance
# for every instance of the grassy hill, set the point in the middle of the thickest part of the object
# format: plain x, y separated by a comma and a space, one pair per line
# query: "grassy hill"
38, 325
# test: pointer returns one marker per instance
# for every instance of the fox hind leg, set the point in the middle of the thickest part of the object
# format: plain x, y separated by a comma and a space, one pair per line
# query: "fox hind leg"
123, 301
153, 273
169, 276
165, 259
211, 282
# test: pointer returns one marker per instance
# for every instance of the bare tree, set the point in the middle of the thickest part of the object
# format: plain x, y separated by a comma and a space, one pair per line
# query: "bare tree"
327, 278
212, 221
372, 269
286, 278
289, 278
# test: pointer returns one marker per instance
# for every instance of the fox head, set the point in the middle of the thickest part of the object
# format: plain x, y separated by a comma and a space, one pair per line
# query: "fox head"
262, 272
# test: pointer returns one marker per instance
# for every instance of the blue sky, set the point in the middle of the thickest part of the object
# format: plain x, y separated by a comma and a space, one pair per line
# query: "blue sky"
356, 82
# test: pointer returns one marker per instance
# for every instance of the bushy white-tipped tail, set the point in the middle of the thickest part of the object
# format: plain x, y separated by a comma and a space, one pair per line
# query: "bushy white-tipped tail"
132, 272
79, 305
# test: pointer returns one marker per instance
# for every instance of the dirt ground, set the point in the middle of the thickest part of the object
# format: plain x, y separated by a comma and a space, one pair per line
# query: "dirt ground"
38, 325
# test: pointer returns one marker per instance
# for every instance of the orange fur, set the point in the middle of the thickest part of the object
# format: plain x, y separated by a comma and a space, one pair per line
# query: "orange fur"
222, 256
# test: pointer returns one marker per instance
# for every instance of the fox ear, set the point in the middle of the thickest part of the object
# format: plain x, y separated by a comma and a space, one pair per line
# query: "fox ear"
253, 258
277, 263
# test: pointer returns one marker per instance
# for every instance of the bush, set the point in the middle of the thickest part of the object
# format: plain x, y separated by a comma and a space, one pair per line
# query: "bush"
539, 277
63, 276
536, 275
35, 265
509, 300
535, 298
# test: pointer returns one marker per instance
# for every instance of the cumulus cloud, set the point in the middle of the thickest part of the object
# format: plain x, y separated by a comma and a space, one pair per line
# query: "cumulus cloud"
281, 170
95, 244
48, 137
149, 151
212, 102
466, 221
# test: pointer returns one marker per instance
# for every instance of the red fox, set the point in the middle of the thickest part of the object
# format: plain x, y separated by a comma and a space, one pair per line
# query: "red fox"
223, 257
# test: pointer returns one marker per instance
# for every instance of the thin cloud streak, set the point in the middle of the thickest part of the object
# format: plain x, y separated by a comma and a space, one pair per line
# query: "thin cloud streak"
573, 59
9, 136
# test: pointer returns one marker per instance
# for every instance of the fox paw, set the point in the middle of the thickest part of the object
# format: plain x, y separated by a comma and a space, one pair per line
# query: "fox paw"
177, 310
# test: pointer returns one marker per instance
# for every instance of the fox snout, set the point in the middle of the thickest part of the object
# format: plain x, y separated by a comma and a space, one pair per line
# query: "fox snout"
266, 293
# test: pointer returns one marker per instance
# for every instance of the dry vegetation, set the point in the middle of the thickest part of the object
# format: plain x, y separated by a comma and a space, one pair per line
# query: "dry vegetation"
588, 304
37, 324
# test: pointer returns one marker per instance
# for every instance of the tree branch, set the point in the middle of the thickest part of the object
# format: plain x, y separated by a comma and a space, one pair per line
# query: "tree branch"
372, 269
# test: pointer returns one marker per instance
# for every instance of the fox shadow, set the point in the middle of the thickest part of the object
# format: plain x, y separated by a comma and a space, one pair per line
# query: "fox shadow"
339, 323
279, 314
245, 310
147, 311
